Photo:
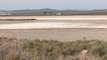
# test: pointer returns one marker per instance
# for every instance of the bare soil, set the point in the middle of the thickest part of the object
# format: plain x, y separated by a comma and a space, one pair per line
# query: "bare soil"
57, 34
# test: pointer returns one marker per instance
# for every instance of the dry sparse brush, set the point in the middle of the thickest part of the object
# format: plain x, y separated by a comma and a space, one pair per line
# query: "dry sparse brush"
21, 49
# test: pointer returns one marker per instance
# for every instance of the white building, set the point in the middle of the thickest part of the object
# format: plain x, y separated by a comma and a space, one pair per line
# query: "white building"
58, 13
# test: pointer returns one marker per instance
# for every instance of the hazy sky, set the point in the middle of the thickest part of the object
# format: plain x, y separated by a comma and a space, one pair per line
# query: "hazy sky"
55, 4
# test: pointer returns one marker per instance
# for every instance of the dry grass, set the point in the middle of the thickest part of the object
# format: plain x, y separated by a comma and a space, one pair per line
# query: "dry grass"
15, 49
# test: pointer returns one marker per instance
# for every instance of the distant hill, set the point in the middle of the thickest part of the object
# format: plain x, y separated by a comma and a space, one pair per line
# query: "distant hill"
48, 11
34, 10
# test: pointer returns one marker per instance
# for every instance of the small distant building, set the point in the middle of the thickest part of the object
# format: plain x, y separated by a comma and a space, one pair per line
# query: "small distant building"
58, 13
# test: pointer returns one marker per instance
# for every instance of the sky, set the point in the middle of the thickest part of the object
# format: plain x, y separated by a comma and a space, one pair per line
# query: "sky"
54, 4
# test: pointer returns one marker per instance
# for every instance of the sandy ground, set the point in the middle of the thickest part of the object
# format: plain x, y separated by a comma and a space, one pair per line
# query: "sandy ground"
57, 34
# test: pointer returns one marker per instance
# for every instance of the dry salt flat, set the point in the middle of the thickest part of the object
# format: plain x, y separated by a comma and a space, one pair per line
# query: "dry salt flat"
87, 17
46, 25
36, 29
50, 24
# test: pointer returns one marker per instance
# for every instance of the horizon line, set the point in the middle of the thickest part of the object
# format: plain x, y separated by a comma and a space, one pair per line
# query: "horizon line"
49, 8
